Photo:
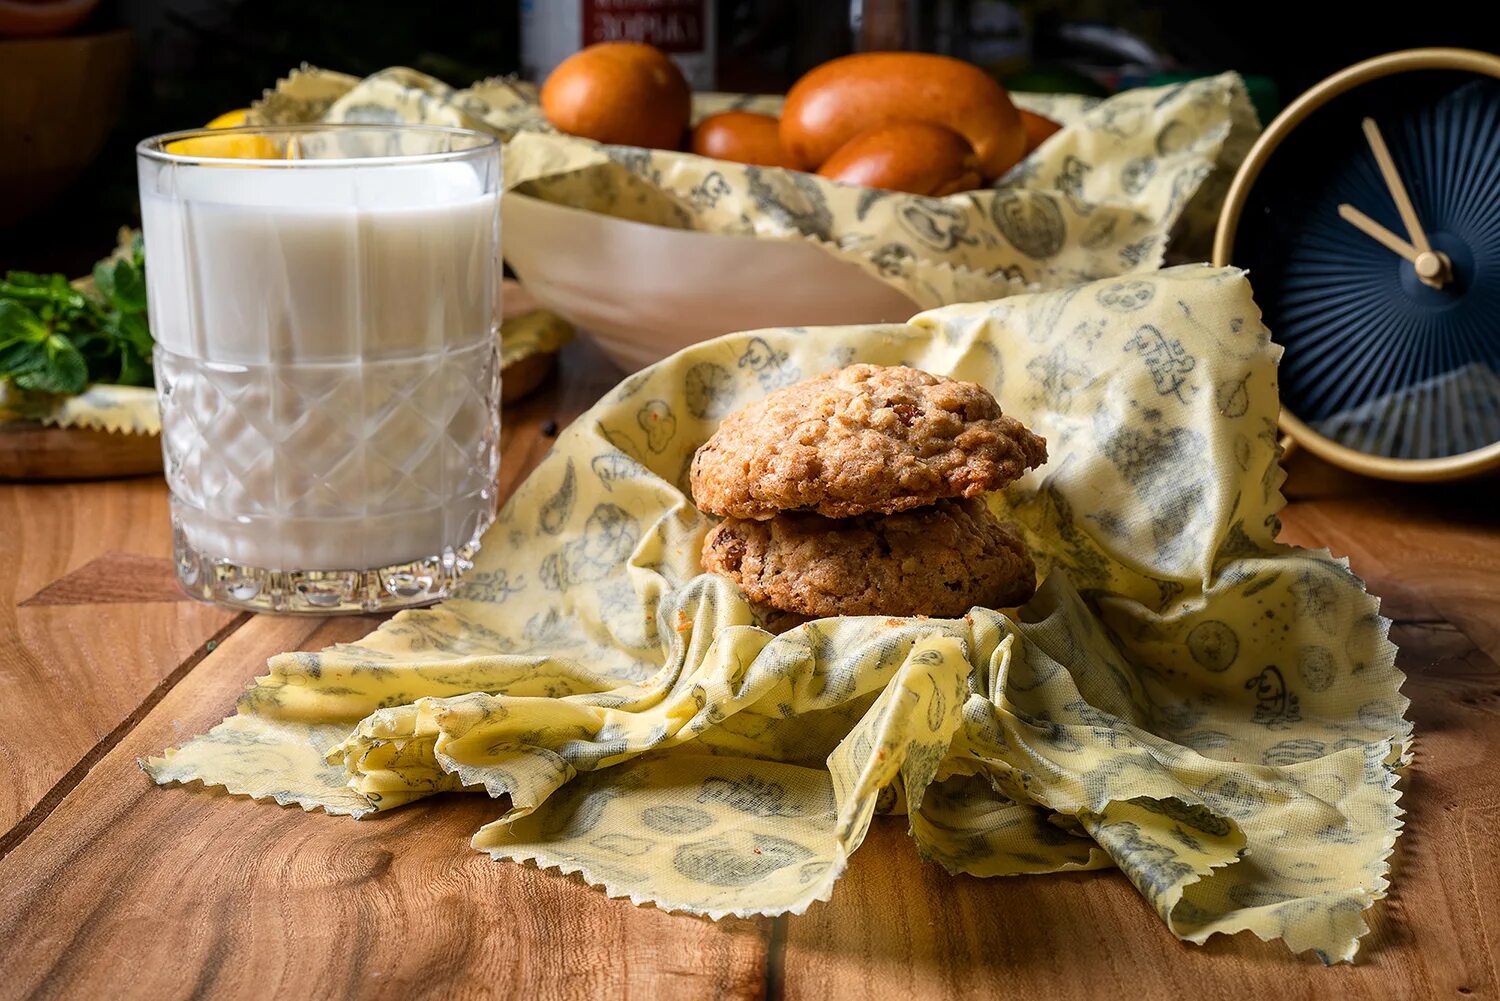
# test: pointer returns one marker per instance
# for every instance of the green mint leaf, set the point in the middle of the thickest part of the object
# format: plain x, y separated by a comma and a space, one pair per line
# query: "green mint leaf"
19, 323
20, 357
129, 288
65, 371
51, 365
43, 366
54, 290
104, 280
56, 339
135, 369
136, 331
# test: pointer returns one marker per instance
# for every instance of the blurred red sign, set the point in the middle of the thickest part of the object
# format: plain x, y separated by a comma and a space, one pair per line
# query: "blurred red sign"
670, 25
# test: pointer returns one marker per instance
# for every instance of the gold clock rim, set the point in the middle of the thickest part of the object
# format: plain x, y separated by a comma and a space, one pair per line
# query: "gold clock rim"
1448, 467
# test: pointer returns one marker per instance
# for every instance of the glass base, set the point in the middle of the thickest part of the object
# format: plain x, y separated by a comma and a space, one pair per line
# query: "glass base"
320, 592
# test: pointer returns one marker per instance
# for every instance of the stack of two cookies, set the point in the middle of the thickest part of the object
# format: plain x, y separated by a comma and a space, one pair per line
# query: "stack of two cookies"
858, 492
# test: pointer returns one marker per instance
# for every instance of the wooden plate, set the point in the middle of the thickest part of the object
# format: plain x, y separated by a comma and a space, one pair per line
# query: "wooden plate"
32, 451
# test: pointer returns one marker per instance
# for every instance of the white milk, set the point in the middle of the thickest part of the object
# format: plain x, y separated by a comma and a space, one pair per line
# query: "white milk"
326, 358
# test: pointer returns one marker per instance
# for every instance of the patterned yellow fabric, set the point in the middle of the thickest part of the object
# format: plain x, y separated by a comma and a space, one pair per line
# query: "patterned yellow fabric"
1103, 197
1214, 713
122, 409
538, 331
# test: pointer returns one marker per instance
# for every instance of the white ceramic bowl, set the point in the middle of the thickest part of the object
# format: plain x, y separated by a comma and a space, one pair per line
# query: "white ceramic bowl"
644, 292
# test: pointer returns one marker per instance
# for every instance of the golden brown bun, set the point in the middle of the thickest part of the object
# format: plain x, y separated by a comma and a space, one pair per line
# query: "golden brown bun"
741, 136
916, 157
1038, 129
619, 92
836, 101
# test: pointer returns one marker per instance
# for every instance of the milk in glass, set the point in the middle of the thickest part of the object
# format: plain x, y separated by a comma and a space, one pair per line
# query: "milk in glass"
327, 365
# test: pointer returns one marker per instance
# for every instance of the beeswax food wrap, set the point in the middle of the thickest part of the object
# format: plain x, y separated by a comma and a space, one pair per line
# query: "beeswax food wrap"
121, 409
1214, 713
1100, 198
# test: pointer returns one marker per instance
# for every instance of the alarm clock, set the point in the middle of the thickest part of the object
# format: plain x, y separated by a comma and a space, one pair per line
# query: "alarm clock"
1368, 217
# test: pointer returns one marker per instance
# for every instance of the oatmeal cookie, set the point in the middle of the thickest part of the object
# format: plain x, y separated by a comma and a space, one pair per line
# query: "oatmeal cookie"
867, 438
940, 561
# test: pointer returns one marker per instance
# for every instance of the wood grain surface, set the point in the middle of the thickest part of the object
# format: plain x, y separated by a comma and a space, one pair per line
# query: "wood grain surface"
72, 673
209, 895
110, 887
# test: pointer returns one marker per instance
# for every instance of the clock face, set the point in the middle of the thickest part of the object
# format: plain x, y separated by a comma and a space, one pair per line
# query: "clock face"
1386, 352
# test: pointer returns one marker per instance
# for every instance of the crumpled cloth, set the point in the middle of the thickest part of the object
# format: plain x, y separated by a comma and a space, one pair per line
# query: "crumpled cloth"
1214, 713
1127, 179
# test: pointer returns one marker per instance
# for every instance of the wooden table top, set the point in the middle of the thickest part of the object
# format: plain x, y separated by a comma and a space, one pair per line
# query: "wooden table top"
111, 887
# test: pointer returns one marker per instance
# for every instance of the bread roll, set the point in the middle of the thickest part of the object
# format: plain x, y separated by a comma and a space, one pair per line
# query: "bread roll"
916, 157
836, 101
741, 136
1038, 129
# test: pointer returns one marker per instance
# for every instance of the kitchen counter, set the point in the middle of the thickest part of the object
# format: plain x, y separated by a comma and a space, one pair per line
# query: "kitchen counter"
111, 887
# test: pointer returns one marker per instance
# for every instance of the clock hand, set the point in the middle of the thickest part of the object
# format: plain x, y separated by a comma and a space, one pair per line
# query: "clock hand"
1433, 267
1377, 232
1398, 190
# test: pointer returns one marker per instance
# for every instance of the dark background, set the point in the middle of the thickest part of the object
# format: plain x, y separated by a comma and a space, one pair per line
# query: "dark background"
197, 58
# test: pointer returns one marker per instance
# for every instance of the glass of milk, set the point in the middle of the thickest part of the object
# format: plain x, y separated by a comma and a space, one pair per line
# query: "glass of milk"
325, 303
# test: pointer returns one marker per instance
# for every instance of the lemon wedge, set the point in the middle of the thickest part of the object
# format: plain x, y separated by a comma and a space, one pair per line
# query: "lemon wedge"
230, 119
228, 147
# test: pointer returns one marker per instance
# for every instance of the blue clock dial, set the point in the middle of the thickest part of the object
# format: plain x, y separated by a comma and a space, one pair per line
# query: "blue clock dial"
1375, 358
